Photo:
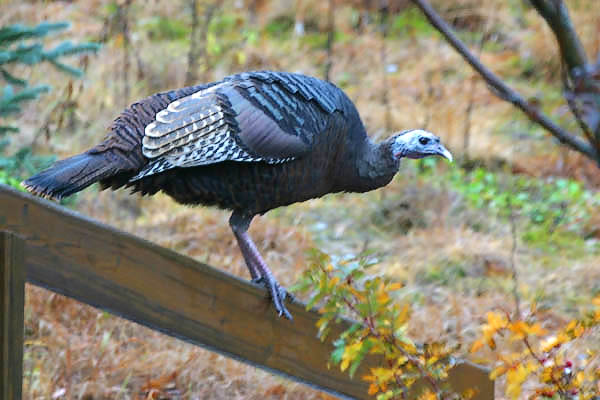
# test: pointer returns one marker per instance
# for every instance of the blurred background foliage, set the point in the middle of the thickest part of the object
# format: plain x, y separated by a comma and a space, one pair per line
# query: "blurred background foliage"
450, 233
22, 45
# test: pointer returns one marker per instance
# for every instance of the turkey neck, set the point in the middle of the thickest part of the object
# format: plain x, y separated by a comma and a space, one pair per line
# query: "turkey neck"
375, 166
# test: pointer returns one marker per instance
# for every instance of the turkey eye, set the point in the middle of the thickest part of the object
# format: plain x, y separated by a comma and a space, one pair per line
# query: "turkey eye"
423, 140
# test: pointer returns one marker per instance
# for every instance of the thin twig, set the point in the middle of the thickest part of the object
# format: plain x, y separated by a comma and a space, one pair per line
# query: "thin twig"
513, 265
124, 14
502, 90
192, 67
569, 94
385, 93
330, 38
540, 361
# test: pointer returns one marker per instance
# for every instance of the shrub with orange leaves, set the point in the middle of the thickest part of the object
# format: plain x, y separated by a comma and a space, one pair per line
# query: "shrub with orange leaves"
342, 288
541, 363
543, 359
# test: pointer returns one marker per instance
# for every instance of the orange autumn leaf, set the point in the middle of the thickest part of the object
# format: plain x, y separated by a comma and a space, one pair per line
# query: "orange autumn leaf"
373, 388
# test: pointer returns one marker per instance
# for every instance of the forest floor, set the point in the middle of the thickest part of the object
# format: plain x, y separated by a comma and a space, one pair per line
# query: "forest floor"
447, 230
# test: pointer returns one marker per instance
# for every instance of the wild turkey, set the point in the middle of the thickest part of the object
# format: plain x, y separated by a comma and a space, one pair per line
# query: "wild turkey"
249, 143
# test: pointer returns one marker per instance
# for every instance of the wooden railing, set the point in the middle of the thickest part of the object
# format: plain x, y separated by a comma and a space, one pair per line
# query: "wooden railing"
49, 246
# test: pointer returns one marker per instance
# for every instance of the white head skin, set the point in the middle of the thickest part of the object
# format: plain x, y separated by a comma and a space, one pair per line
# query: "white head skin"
417, 143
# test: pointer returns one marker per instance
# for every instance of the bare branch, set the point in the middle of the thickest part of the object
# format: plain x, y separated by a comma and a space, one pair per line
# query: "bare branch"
570, 97
556, 14
502, 90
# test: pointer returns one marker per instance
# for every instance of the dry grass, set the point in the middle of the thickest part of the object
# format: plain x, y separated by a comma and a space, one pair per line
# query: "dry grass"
424, 233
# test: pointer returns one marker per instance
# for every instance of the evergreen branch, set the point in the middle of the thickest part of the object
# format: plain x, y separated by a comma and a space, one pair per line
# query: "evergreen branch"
30, 54
23, 45
4, 129
15, 32
13, 80
66, 68
10, 101
68, 48
34, 53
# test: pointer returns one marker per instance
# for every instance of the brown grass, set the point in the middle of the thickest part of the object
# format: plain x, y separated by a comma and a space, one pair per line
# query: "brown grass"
424, 233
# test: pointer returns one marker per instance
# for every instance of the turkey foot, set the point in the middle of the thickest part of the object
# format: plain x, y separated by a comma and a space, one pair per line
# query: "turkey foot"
283, 293
257, 267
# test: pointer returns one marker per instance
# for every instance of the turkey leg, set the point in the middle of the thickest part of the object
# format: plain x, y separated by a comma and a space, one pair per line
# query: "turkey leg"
257, 267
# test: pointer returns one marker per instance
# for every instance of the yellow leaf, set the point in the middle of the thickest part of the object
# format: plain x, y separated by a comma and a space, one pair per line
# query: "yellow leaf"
521, 329
546, 375
579, 379
241, 57
383, 298
498, 371
344, 364
478, 344
515, 378
496, 321
334, 281
578, 331
563, 338
357, 294
469, 393
536, 330
395, 286
403, 316
549, 343
428, 395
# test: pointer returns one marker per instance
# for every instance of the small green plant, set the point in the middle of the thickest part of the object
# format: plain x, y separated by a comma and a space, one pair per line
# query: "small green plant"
411, 21
21, 45
164, 28
280, 27
555, 210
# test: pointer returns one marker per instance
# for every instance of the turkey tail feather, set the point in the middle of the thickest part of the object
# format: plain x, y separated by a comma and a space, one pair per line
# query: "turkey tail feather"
71, 175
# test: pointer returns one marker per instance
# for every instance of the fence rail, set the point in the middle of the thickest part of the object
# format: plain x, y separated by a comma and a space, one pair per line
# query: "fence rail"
156, 287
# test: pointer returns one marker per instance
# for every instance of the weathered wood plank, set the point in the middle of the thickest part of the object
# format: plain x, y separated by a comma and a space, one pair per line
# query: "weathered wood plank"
159, 288
12, 296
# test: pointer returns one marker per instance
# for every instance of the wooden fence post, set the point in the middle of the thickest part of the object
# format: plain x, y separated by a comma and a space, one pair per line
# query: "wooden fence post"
12, 299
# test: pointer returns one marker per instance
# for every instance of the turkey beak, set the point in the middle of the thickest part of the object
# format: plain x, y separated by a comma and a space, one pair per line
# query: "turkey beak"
442, 151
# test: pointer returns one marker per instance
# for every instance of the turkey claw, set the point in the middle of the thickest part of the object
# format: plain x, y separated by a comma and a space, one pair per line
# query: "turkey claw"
278, 295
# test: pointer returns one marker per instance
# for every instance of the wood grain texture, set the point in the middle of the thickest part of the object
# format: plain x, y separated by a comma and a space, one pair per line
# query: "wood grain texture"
166, 291
12, 296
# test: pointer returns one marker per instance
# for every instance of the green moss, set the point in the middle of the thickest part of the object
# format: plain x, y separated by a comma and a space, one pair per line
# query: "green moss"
164, 28
411, 21
551, 213
280, 28
443, 274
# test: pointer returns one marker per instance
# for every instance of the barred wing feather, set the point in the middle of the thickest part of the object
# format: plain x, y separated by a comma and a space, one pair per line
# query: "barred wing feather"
258, 118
